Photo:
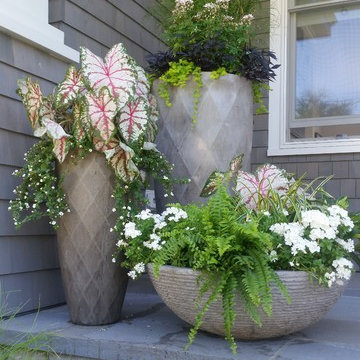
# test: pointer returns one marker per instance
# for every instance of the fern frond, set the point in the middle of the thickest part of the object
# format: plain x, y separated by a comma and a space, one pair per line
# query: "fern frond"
199, 317
228, 296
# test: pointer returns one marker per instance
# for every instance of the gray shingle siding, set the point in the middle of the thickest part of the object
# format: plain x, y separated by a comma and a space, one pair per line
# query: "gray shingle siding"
29, 268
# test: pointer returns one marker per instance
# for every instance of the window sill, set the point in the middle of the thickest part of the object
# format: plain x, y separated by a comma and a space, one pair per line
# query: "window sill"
315, 148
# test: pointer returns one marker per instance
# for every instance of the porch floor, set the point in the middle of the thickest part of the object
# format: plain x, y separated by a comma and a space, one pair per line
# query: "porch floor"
150, 331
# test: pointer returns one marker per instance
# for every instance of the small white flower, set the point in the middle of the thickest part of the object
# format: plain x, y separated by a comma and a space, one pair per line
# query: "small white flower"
113, 210
166, 195
266, 213
132, 274
285, 212
165, 177
111, 230
90, 150
113, 260
121, 243
53, 222
139, 268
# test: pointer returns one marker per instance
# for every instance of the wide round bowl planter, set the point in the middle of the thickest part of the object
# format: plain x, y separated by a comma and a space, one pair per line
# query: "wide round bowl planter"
224, 129
94, 286
310, 302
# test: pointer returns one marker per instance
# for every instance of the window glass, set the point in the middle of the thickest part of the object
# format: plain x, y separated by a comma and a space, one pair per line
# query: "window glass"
327, 71
325, 132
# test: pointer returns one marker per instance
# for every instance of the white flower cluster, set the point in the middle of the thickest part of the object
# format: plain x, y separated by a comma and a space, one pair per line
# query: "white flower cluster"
293, 237
130, 230
343, 268
160, 221
247, 19
321, 226
182, 6
138, 269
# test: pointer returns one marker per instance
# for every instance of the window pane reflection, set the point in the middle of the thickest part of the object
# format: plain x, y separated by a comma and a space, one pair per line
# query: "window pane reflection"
327, 63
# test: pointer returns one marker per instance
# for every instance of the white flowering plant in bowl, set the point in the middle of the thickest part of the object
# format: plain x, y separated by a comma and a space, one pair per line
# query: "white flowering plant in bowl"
238, 242
310, 230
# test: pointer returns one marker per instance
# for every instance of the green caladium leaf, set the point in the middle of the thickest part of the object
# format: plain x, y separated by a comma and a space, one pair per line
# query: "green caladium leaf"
212, 183
235, 165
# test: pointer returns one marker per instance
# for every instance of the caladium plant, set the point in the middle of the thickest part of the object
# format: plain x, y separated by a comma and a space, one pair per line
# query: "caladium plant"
105, 105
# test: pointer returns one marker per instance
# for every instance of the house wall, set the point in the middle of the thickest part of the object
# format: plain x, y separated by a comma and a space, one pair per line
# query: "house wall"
29, 269
344, 167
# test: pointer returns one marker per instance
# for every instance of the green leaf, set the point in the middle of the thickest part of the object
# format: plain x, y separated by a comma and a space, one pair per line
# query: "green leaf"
223, 245
235, 164
212, 183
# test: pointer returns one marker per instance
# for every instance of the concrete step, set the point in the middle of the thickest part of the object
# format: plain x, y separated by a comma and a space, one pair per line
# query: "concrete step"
150, 331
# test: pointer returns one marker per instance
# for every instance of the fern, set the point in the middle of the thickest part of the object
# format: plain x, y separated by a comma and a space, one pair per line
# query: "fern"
231, 254
217, 291
228, 296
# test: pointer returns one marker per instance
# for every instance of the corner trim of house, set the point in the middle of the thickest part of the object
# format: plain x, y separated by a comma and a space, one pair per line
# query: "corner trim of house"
30, 24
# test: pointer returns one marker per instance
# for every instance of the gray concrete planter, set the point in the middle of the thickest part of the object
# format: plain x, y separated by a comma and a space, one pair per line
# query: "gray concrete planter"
310, 302
94, 286
223, 130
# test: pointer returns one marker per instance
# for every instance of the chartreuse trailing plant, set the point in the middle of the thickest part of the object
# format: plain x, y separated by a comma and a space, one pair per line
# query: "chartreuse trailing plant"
210, 35
178, 75
104, 106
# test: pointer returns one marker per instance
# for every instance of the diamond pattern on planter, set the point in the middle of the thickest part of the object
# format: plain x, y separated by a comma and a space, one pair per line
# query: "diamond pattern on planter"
223, 130
94, 286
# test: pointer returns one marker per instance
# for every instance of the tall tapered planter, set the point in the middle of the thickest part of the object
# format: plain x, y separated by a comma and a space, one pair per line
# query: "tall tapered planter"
224, 129
94, 286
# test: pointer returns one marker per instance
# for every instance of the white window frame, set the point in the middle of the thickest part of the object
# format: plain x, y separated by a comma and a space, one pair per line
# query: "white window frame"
28, 21
278, 143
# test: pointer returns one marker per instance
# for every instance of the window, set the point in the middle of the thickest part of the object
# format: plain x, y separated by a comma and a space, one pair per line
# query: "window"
315, 102
28, 20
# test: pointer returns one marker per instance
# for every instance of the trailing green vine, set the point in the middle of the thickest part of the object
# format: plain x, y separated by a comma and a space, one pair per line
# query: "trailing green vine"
40, 185
257, 88
178, 75
216, 74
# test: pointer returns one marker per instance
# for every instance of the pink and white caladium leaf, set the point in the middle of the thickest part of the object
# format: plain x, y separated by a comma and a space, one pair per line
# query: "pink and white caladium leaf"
120, 159
101, 146
117, 73
253, 188
61, 148
59, 136
53, 129
142, 85
81, 124
31, 96
133, 119
47, 108
102, 110
71, 86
